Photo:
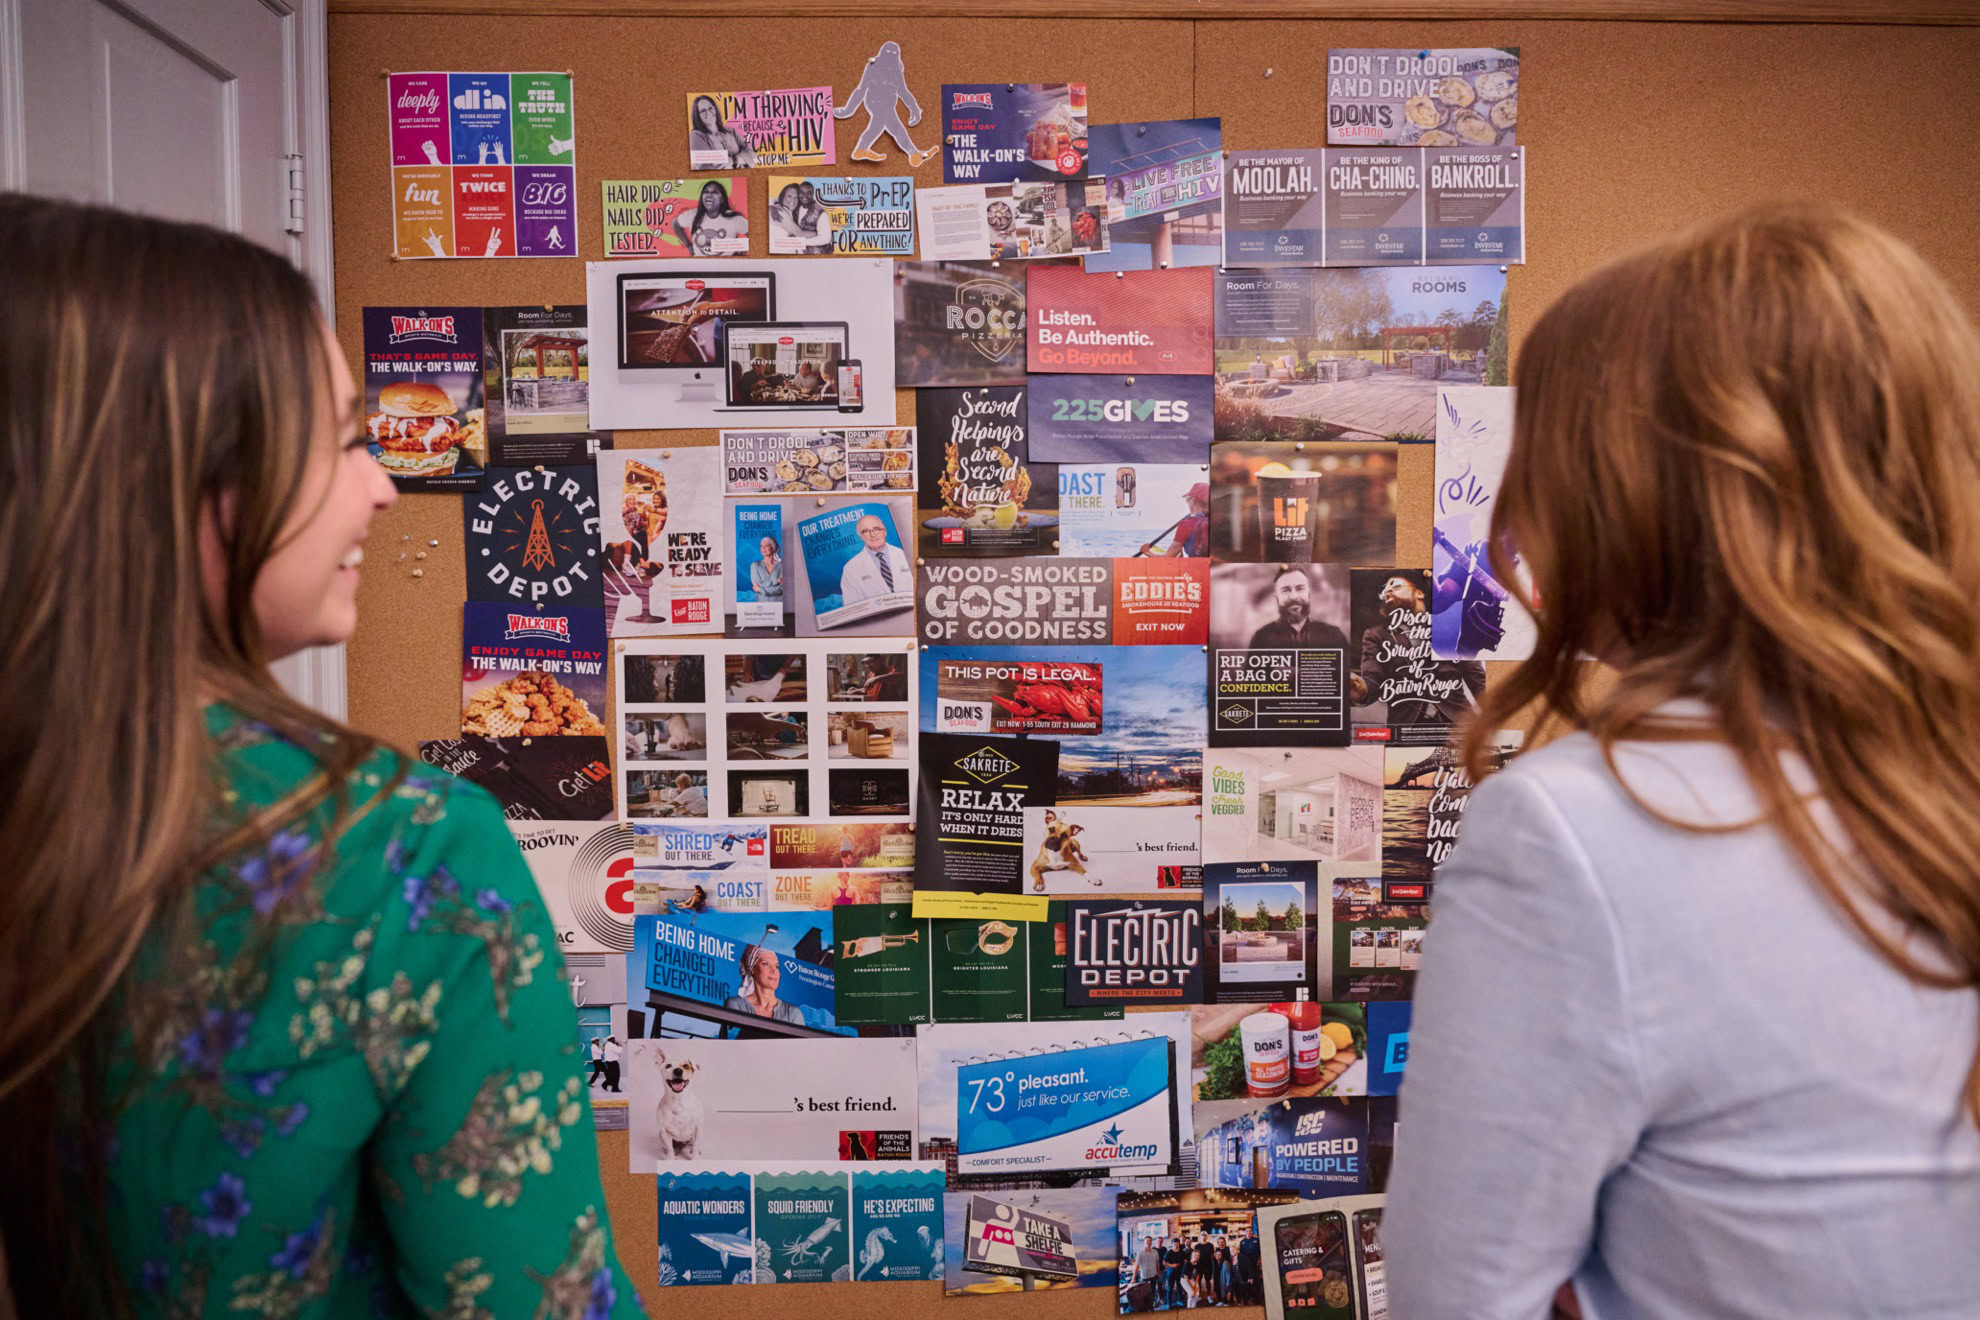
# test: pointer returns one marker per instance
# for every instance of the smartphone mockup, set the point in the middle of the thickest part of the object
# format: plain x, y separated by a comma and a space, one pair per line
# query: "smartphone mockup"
851, 386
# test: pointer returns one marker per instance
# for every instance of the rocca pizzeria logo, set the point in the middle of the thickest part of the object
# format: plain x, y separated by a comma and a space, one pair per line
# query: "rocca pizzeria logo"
556, 627
988, 315
986, 765
423, 327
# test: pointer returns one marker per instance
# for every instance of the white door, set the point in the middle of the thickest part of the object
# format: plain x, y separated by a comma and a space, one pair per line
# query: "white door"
207, 110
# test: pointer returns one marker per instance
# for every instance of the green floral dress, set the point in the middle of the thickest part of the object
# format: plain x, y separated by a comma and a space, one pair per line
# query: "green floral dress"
366, 1100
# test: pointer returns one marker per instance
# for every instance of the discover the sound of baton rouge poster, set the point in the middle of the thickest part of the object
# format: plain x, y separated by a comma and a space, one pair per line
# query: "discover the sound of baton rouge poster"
980, 492
1400, 691
532, 537
958, 323
1153, 321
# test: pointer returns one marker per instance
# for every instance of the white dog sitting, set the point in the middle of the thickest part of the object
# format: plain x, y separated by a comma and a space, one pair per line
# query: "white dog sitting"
678, 1113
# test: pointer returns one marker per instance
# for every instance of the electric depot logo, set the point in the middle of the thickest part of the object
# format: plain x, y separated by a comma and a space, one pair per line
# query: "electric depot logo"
600, 887
987, 765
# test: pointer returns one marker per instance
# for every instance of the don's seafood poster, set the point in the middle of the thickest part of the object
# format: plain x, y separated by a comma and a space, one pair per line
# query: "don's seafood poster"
1423, 98
768, 729
788, 462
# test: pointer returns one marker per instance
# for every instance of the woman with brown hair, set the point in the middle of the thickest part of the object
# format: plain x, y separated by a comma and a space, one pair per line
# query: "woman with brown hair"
283, 1028
1696, 1025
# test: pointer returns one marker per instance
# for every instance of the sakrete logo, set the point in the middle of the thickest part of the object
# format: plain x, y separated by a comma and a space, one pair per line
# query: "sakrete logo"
1235, 714
987, 765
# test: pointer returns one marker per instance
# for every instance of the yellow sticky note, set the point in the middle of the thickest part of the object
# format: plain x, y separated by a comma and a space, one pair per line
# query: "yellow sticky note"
1009, 907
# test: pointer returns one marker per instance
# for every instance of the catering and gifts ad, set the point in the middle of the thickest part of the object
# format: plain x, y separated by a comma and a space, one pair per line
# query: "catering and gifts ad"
1423, 98
483, 165
1323, 1258
423, 396
1156, 322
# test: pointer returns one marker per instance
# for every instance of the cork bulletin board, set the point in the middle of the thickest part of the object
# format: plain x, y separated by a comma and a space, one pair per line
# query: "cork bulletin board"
1634, 129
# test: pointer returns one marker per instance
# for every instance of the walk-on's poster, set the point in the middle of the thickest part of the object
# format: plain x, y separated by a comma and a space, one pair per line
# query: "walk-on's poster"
751, 130
1027, 219
1156, 322
677, 217
753, 729
1005, 132
536, 377
869, 216
423, 412
1164, 193
661, 518
970, 825
982, 493
958, 323
1477, 614
483, 165
1423, 98
532, 537
532, 673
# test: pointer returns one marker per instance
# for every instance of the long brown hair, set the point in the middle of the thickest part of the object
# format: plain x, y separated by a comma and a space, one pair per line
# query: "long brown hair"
147, 370
1746, 469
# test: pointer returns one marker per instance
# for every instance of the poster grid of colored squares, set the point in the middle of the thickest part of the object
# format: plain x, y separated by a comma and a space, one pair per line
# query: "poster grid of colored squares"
483, 165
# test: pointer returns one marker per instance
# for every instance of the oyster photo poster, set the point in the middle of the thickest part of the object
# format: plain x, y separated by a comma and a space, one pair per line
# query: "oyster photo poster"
980, 493
1423, 98
423, 414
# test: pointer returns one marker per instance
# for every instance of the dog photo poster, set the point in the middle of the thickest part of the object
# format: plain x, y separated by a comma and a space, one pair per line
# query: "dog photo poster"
724, 1100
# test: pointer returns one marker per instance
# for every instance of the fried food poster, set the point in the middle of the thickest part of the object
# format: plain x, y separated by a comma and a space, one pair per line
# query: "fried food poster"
423, 396
532, 674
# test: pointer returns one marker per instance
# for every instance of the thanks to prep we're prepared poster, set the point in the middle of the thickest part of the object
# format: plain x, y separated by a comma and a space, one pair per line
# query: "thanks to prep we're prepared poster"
483, 165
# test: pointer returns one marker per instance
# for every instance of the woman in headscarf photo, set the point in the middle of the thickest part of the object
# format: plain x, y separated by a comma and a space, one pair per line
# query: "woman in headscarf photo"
758, 992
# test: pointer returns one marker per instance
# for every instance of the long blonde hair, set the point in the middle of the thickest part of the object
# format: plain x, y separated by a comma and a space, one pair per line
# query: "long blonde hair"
147, 370
1746, 469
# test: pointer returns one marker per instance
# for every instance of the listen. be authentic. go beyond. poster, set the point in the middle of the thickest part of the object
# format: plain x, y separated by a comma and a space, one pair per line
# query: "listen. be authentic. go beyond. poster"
483, 165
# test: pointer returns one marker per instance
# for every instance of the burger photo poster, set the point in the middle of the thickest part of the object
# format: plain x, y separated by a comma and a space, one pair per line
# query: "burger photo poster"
423, 396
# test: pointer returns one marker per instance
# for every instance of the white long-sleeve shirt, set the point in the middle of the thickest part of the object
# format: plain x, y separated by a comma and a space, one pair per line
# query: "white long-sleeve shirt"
1660, 1063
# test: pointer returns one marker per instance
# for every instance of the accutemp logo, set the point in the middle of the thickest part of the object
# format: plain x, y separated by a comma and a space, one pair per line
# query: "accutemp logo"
986, 765
1111, 1151
557, 627
424, 327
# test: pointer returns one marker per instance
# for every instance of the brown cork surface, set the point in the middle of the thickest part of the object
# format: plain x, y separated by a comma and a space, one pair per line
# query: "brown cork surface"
1635, 130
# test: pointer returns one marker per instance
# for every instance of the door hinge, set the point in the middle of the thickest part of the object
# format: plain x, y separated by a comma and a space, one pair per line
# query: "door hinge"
292, 179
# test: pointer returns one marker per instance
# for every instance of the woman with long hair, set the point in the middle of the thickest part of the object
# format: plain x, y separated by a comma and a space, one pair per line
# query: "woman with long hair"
1696, 1025
282, 1022
713, 227
709, 134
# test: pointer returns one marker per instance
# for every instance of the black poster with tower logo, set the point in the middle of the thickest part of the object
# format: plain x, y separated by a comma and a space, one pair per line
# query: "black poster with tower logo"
532, 538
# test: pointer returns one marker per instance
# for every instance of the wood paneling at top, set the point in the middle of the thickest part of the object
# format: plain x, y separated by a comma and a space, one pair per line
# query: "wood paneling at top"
1930, 12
